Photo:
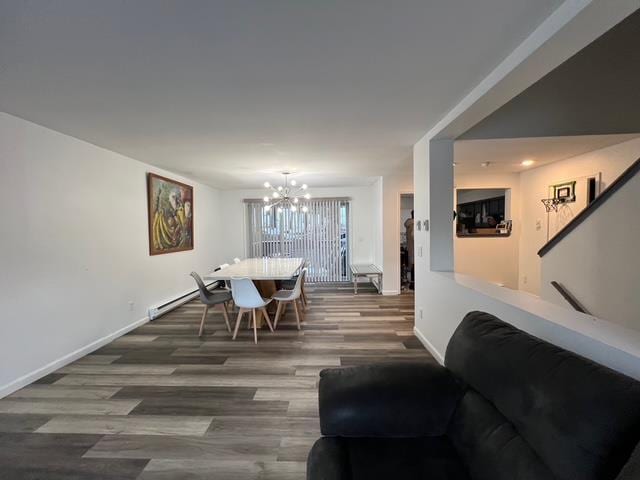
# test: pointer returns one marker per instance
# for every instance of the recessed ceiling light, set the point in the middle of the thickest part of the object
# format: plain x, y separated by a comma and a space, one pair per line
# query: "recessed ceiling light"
527, 163
485, 164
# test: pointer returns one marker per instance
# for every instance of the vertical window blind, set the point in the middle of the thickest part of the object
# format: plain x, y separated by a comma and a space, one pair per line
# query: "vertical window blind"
321, 236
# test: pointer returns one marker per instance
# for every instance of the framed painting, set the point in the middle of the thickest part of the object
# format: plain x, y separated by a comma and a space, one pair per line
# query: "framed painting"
170, 215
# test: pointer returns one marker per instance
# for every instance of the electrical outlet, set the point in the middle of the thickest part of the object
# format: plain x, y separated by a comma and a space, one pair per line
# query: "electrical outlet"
131, 305
525, 279
538, 224
420, 313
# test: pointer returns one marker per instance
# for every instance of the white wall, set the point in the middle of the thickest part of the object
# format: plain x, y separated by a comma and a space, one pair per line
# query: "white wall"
610, 162
598, 261
365, 211
494, 259
74, 249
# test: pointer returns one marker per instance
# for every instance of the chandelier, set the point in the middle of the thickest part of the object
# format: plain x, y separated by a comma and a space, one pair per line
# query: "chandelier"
288, 196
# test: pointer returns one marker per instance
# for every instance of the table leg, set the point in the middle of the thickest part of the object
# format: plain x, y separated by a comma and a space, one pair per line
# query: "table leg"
266, 288
355, 284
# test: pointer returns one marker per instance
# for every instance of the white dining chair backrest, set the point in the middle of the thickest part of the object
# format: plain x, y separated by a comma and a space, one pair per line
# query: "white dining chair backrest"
245, 294
236, 260
297, 289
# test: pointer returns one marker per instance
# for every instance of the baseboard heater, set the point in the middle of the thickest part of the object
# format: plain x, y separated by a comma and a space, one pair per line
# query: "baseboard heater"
159, 310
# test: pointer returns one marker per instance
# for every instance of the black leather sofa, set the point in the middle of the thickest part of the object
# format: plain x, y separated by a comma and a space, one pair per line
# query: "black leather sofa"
507, 406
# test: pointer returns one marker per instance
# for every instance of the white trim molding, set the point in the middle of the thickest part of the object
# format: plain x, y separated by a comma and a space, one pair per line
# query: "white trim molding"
429, 346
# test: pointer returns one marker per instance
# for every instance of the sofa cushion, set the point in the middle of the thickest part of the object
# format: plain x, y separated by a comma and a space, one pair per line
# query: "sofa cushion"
387, 400
490, 446
581, 419
428, 458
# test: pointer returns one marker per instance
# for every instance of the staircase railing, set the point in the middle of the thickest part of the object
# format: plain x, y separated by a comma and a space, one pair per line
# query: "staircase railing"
569, 298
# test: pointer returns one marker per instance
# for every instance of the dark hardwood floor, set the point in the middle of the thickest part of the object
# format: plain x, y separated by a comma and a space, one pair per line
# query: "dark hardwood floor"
161, 403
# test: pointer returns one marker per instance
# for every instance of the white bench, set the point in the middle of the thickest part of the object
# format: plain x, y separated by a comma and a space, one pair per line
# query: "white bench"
366, 270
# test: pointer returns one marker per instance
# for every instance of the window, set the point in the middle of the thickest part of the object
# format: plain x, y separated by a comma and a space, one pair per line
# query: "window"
321, 236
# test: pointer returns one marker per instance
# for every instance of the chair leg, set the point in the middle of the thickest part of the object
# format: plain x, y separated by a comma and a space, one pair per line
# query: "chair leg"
278, 311
267, 319
225, 313
255, 326
304, 310
303, 303
295, 306
235, 331
204, 315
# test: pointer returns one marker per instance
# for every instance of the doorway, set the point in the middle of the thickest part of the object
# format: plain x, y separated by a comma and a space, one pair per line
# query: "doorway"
407, 270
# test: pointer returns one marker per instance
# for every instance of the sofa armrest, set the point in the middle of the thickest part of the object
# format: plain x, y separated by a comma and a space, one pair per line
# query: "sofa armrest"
387, 400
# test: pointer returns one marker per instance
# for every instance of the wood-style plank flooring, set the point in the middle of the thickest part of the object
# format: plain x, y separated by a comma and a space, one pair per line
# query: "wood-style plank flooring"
161, 403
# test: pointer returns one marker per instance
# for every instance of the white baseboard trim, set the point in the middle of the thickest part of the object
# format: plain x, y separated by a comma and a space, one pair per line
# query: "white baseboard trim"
429, 346
390, 292
67, 359
174, 305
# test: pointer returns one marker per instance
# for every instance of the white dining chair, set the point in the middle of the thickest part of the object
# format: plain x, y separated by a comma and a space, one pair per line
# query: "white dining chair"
247, 298
236, 260
290, 285
284, 297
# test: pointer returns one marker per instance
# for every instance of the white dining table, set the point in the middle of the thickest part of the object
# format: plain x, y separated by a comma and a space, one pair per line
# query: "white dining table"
263, 271
279, 268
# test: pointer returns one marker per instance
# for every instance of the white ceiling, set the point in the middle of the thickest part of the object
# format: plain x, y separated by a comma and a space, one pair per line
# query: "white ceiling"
506, 155
232, 92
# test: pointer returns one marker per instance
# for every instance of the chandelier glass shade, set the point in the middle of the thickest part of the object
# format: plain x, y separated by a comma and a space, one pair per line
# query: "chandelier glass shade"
289, 196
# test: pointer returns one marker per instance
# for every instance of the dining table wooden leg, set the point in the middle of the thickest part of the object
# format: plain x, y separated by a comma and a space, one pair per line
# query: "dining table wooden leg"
266, 288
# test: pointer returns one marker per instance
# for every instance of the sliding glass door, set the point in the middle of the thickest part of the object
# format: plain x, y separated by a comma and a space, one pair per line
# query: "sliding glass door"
320, 235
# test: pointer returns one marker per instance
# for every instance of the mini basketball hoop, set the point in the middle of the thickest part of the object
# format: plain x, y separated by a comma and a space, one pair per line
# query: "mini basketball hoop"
552, 203
562, 193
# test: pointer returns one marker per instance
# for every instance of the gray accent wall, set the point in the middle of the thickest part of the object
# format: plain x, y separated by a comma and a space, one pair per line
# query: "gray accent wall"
597, 91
